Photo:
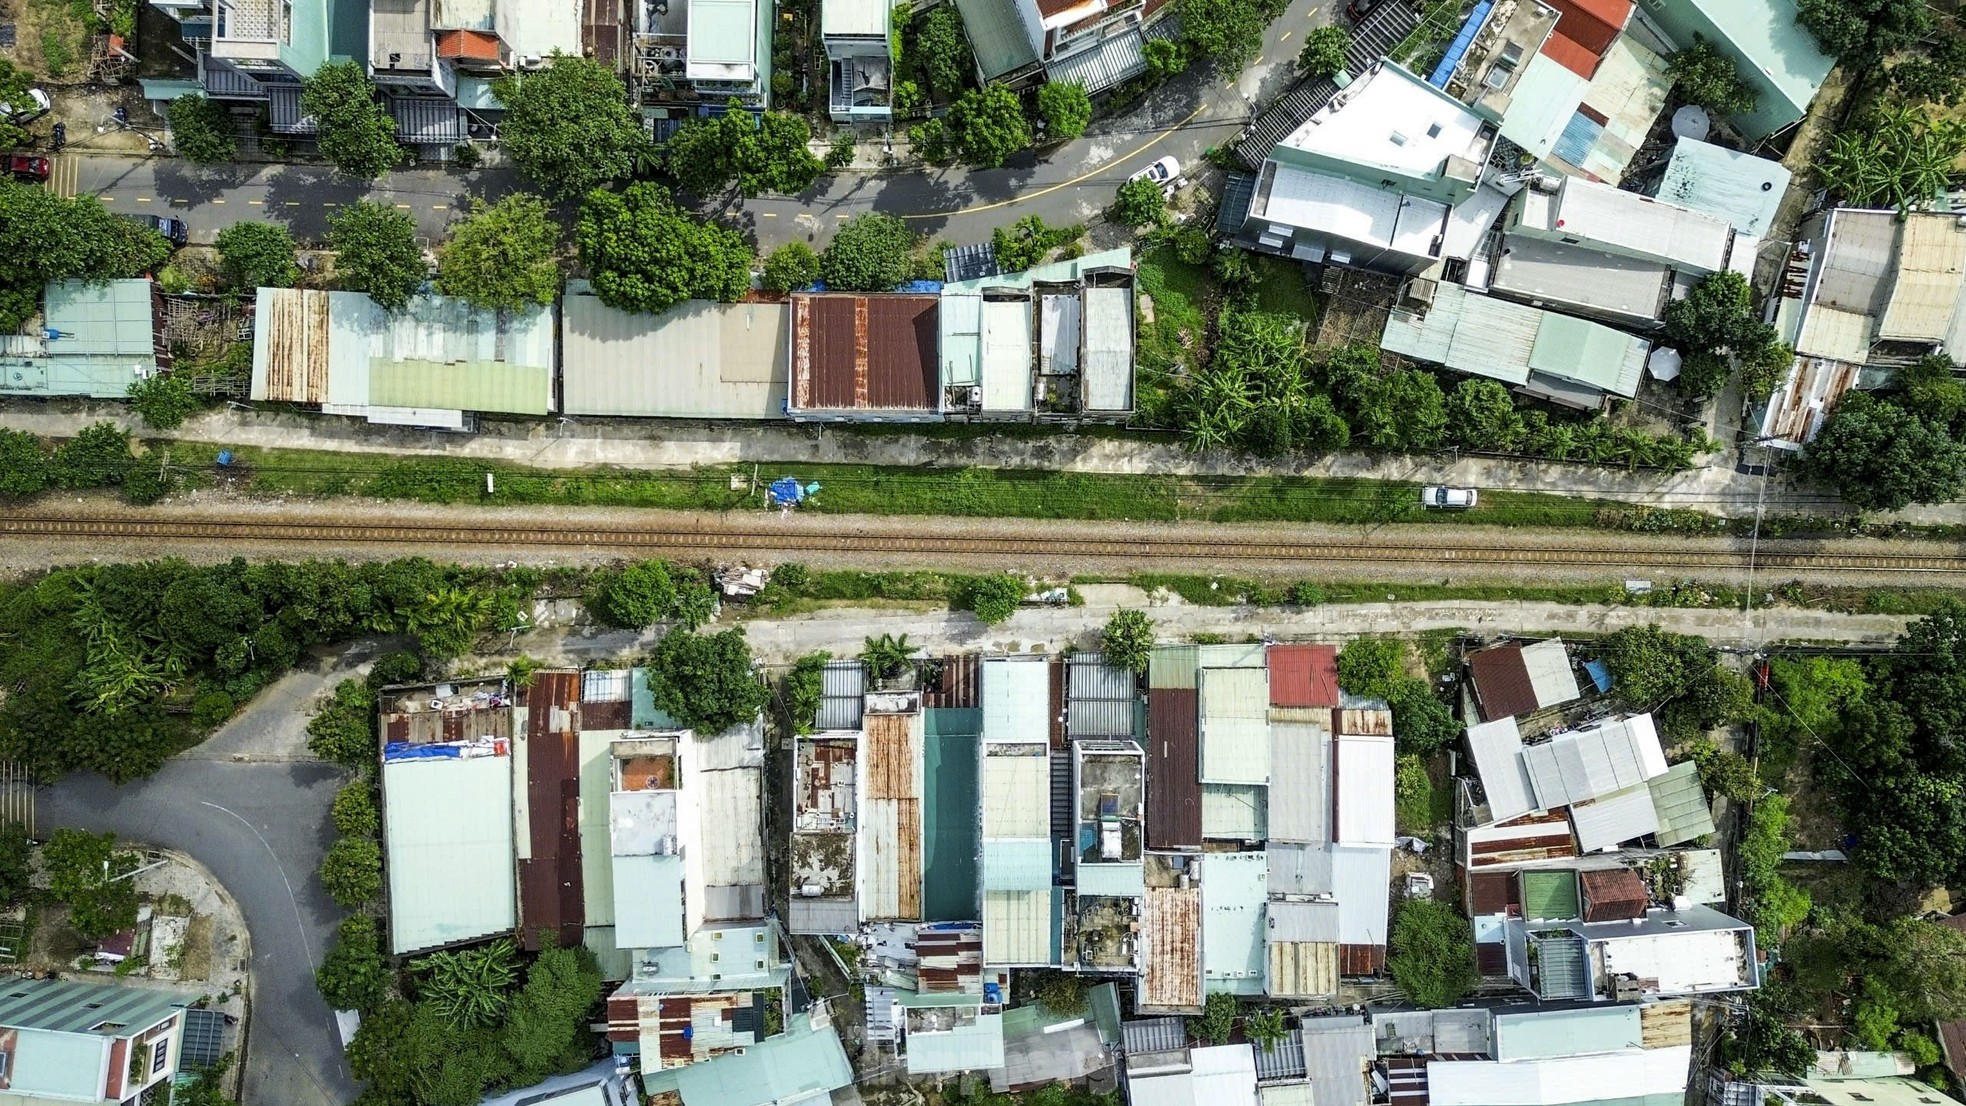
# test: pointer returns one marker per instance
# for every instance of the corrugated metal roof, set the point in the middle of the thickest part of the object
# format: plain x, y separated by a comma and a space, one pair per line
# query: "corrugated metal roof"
1925, 286
1118, 58
428, 122
973, 1045
1234, 812
1006, 355
1362, 779
75, 1007
1548, 665
1170, 939
1233, 890
1550, 895
1303, 921
1497, 750
283, 111
1611, 894
1300, 754
1468, 333
864, 353
1361, 878
1338, 1051
1633, 1074
1016, 699
960, 338
1299, 869
1767, 40
1797, 409
1640, 225
996, 34
888, 863
696, 360
843, 691
441, 352
1561, 968
1016, 791
1546, 95
1740, 188
1679, 803
1235, 731
1173, 770
1108, 368
1017, 927
723, 39
824, 916
1545, 273
1101, 699
1584, 764
1589, 353
1174, 666
1284, 1060
787, 1068
1111, 880
1303, 675
648, 901
447, 829
1247, 655
110, 318
1610, 820
1501, 682
854, 17
1154, 1035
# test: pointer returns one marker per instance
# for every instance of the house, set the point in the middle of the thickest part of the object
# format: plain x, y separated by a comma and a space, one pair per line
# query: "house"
1218, 1075
697, 360
107, 1044
728, 52
1018, 855
1775, 55
1585, 790
1387, 175
1665, 953
1869, 288
95, 340
857, 36
1741, 189
1095, 43
1109, 882
802, 1066
435, 363
1559, 358
1836, 1079
1054, 342
862, 357
1508, 1056
1512, 679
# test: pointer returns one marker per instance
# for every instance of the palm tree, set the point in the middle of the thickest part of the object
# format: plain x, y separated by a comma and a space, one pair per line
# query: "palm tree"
887, 656
470, 987
1265, 1029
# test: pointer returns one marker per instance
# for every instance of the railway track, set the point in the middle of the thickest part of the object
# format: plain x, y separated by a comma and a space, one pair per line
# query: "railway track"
1067, 549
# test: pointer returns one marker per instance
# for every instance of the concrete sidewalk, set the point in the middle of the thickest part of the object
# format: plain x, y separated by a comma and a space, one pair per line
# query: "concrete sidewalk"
650, 444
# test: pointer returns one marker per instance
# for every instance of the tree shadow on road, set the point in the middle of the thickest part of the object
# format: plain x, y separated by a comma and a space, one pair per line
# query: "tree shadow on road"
197, 185
300, 195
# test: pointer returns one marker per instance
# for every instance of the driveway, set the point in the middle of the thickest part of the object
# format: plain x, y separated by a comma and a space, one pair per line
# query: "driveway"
251, 806
1066, 184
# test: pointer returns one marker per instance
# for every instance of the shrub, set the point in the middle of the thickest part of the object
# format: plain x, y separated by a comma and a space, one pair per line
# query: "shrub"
705, 681
354, 811
1128, 640
343, 729
634, 597
1431, 954
351, 872
1140, 203
353, 974
790, 267
993, 598
1324, 51
163, 400
804, 690
1370, 666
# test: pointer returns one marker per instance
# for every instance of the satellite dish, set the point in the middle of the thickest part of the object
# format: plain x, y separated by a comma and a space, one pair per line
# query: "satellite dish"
1692, 121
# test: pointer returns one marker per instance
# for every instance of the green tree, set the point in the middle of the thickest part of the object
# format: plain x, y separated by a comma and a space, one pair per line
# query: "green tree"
1725, 772
86, 871
1140, 203
993, 598
637, 596
257, 255
989, 125
1716, 314
760, 153
943, 52
14, 85
868, 254
376, 252
1481, 414
1060, 992
1218, 1019
1764, 369
1929, 388
353, 975
1402, 410
930, 139
206, 1086
1065, 109
356, 132
504, 256
1431, 954
1882, 457
648, 255
163, 400
1702, 75
1128, 640
791, 267
202, 130
1651, 667
1165, 58
469, 987
343, 730
695, 602
1229, 31
805, 691
24, 466
705, 681
1421, 722
45, 238
1862, 32
1892, 155
887, 656
1766, 1043
1371, 666
546, 1023
354, 812
1265, 1029
351, 872
15, 866
569, 127
1929, 78
1324, 49
1026, 242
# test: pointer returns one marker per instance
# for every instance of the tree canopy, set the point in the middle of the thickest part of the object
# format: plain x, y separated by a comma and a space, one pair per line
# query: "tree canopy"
1229, 31
869, 253
1883, 457
1703, 75
1028, 242
1370, 666
646, 254
503, 256
1431, 954
768, 152
569, 127
1128, 640
201, 129
988, 125
46, 237
14, 85
87, 871
257, 255
791, 267
705, 681
1324, 49
376, 252
1065, 109
1140, 203
356, 132
163, 400
1862, 32
941, 51
1893, 155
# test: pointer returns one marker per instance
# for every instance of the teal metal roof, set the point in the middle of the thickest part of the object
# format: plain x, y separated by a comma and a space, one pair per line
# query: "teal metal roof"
643, 713
1233, 893
974, 1046
1587, 352
1680, 801
67, 1006
447, 830
648, 901
64, 1065
1743, 189
110, 318
1016, 864
441, 353
167, 90
722, 32
1767, 37
996, 34
798, 1063
1545, 98
1105, 1003
1173, 667
1114, 880
1544, 1034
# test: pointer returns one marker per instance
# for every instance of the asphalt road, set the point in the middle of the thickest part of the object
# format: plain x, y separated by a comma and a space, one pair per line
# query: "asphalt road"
253, 809
1065, 184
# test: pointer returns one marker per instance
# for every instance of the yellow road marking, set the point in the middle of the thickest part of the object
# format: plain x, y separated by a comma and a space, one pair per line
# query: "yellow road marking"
405, 207
294, 203
1080, 179
439, 207
143, 199
216, 200
1285, 37
769, 214
255, 203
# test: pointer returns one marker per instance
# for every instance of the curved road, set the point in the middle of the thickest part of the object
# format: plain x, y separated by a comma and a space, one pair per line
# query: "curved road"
1066, 184
253, 808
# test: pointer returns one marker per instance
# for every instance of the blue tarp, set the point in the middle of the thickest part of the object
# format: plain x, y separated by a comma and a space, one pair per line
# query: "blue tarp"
785, 490
1600, 674
926, 287
403, 750
1459, 47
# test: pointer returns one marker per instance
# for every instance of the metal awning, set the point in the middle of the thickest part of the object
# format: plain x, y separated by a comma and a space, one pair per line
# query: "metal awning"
428, 122
223, 81
1114, 60
283, 112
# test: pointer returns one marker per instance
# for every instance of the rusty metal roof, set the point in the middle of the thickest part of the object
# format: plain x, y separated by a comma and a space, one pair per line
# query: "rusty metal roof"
550, 883
1613, 894
1303, 675
1173, 770
1501, 682
864, 353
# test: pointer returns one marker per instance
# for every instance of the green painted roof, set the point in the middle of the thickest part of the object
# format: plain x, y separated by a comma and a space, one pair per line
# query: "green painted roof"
1105, 1003
1546, 1034
799, 1063
1581, 350
996, 34
461, 386
1550, 894
1741, 188
1016, 864
67, 1006
644, 714
1680, 802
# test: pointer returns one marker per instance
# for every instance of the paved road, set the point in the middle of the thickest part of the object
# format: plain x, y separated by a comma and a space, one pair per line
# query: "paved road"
1067, 184
251, 808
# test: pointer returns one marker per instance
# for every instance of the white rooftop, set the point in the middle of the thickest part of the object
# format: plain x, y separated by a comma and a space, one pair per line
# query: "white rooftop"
1584, 764
1631, 1074
1391, 118
1629, 222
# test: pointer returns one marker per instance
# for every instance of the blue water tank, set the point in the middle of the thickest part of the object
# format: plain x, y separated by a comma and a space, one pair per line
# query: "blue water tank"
993, 994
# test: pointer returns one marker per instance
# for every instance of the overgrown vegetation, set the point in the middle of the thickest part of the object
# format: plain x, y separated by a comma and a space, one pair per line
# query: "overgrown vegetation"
1431, 953
1128, 640
1885, 451
706, 681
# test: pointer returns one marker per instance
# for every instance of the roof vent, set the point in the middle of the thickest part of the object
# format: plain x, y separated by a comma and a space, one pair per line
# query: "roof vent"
1399, 139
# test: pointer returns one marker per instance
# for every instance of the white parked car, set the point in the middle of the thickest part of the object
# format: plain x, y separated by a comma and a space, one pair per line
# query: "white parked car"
1164, 172
38, 104
1442, 497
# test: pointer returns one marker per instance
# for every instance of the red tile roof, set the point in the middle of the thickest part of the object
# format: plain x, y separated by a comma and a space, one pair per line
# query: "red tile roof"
1303, 675
1571, 55
1585, 29
864, 353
